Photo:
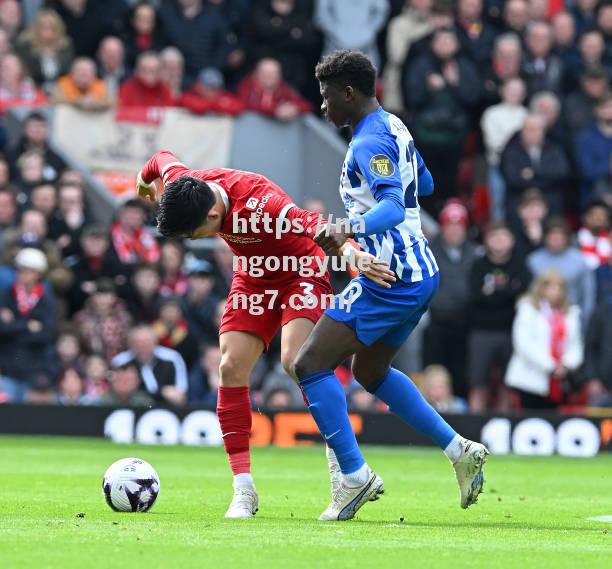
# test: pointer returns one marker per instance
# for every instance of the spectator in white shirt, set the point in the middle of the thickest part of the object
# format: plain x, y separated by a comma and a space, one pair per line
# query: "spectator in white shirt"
499, 123
547, 342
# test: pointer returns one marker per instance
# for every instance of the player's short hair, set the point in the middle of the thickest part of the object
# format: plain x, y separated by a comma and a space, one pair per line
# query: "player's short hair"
184, 206
348, 67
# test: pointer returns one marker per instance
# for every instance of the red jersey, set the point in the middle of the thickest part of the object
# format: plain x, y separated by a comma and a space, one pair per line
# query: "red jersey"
198, 100
256, 98
248, 196
134, 93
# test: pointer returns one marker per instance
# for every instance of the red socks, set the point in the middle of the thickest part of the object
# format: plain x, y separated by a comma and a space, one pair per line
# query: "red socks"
234, 412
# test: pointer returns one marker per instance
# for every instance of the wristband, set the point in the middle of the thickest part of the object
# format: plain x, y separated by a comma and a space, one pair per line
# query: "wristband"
141, 182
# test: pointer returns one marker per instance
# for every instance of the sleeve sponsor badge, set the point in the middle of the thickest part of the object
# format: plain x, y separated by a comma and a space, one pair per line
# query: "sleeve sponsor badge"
381, 165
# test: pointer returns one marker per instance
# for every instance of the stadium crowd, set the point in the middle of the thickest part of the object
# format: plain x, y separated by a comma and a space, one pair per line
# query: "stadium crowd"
508, 102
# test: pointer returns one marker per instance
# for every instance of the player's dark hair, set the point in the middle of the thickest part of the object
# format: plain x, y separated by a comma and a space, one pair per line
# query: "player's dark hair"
184, 206
348, 67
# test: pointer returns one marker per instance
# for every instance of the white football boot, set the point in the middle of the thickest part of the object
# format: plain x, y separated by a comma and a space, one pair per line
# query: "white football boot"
469, 471
245, 502
346, 500
335, 474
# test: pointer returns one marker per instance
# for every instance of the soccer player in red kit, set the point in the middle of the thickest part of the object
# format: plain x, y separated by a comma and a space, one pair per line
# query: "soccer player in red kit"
230, 204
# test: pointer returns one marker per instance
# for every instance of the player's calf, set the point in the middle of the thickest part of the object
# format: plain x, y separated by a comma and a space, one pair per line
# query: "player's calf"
235, 419
239, 354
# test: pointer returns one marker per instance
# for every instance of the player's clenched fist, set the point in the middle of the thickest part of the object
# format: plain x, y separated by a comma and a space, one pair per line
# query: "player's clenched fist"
146, 191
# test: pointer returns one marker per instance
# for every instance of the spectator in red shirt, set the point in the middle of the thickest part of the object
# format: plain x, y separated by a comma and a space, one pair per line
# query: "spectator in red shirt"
265, 92
145, 88
131, 240
207, 95
16, 89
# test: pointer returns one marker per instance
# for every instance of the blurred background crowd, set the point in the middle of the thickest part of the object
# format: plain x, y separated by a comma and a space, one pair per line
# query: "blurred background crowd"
509, 104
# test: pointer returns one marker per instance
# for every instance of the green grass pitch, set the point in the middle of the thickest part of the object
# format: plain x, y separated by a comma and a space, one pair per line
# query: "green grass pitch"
534, 514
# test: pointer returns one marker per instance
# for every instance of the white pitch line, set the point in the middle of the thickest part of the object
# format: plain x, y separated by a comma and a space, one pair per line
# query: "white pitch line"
607, 519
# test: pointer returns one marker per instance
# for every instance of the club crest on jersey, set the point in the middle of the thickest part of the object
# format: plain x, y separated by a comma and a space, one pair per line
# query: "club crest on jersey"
381, 165
252, 203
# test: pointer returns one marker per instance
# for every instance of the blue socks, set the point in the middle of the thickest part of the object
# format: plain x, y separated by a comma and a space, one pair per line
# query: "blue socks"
327, 405
404, 400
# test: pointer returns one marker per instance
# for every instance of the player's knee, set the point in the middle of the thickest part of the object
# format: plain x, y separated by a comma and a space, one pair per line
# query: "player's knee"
289, 354
367, 375
231, 373
304, 364
288, 362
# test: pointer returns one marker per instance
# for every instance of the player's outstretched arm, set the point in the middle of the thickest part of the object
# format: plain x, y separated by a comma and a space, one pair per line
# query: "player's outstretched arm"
387, 213
372, 268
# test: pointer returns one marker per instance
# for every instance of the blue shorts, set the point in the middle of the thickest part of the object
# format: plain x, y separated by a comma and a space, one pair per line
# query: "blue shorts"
387, 315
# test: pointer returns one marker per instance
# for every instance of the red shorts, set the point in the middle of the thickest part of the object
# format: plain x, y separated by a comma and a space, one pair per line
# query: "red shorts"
263, 308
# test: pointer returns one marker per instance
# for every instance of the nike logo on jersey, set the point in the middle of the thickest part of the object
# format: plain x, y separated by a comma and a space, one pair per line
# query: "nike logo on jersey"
327, 437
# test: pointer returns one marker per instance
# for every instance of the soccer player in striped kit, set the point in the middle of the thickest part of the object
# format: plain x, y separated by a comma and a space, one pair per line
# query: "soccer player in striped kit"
379, 186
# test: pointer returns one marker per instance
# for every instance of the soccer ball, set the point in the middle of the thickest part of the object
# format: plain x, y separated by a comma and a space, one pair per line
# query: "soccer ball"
130, 485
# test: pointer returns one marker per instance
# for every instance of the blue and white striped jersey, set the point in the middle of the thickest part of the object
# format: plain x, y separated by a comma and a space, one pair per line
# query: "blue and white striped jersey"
382, 155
